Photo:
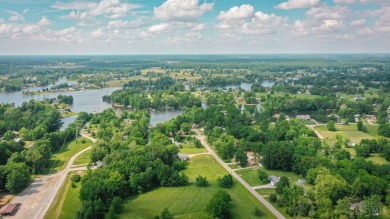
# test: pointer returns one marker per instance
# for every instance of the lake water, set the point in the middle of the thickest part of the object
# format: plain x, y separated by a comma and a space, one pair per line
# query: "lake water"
243, 85
83, 101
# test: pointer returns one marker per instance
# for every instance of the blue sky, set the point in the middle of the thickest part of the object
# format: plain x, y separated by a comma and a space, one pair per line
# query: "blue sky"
194, 26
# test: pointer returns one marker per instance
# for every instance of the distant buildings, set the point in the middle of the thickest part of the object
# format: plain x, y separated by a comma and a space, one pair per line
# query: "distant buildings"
351, 143
183, 156
273, 180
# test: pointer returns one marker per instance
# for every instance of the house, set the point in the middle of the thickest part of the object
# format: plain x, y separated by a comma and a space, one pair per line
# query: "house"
183, 156
276, 116
273, 180
9, 209
303, 117
351, 143
372, 118
195, 126
357, 117
356, 207
15, 133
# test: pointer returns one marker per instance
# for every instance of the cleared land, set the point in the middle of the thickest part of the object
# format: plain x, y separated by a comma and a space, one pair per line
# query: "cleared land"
190, 201
378, 159
190, 149
251, 175
349, 132
83, 159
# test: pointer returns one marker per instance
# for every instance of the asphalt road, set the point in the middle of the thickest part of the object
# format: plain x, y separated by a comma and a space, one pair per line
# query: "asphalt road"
37, 198
201, 138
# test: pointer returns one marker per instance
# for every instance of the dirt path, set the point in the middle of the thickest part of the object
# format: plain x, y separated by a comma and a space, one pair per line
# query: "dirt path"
201, 138
37, 198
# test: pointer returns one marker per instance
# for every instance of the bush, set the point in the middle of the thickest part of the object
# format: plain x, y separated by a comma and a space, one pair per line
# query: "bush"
201, 181
226, 181
218, 206
165, 214
273, 198
263, 176
75, 178
257, 212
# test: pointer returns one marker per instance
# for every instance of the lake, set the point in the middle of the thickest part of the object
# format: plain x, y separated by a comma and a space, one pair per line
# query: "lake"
83, 101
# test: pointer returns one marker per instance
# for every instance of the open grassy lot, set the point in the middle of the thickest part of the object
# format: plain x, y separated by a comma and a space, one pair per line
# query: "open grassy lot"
60, 159
67, 202
191, 149
115, 83
349, 131
251, 176
83, 159
190, 201
378, 159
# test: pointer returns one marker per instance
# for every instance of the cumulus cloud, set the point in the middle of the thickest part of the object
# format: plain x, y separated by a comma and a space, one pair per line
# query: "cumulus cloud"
325, 12
81, 10
15, 16
44, 21
292, 4
236, 20
158, 28
123, 24
347, 2
359, 22
181, 10
237, 13
31, 29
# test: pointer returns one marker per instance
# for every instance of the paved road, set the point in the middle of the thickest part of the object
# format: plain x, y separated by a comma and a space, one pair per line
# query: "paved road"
37, 198
201, 138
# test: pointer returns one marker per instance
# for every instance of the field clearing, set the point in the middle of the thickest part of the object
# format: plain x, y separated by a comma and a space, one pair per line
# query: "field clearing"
281, 94
67, 202
59, 160
349, 132
115, 83
378, 159
190, 149
251, 175
190, 201
83, 158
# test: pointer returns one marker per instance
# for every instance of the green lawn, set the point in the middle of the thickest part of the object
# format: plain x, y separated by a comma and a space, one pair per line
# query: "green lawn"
60, 159
349, 131
265, 192
83, 159
234, 166
190, 201
378, 159
251, 176
67, 202
190, 149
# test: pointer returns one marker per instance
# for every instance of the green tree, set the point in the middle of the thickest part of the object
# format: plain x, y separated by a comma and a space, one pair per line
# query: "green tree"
218, 206
360, 126
201, 181
332, 187
283, 182
18, 177
263, 176
331, 126
241, 157
226, 181
165, 214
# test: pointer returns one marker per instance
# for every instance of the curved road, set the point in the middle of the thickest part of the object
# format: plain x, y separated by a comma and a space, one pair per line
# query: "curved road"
37, 198
201, 138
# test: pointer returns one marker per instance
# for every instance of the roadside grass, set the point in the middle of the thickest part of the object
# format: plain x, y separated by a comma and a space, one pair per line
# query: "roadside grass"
83, 158
266, 191
59, 159
67, 201
191, 149
251, 175
190, 201
234, 166
378, 159
115, 83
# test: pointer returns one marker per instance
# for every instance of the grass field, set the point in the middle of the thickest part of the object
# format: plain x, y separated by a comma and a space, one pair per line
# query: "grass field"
67, 202
190, 149
378, 159
251, 176
190, 201
349, 131
60, 159
83, 159
234, 166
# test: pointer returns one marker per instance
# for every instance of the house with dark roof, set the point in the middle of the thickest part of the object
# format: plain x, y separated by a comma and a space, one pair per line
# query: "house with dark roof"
9, 209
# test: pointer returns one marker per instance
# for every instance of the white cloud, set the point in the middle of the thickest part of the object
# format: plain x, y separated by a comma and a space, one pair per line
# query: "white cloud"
330, 25
5, 28
237, 13
15, 16
348, 2
181, 10
158, 28
122, 24
359, 22
264, 23
81, 10
44, 21
97, 33
199, 27
329, 13
366, 32
291, 4
344, 37
31, 29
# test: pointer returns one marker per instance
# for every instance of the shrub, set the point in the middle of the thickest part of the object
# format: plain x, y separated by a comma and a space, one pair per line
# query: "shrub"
273, 198
257, 212
201, 181
75, 178
226, 181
